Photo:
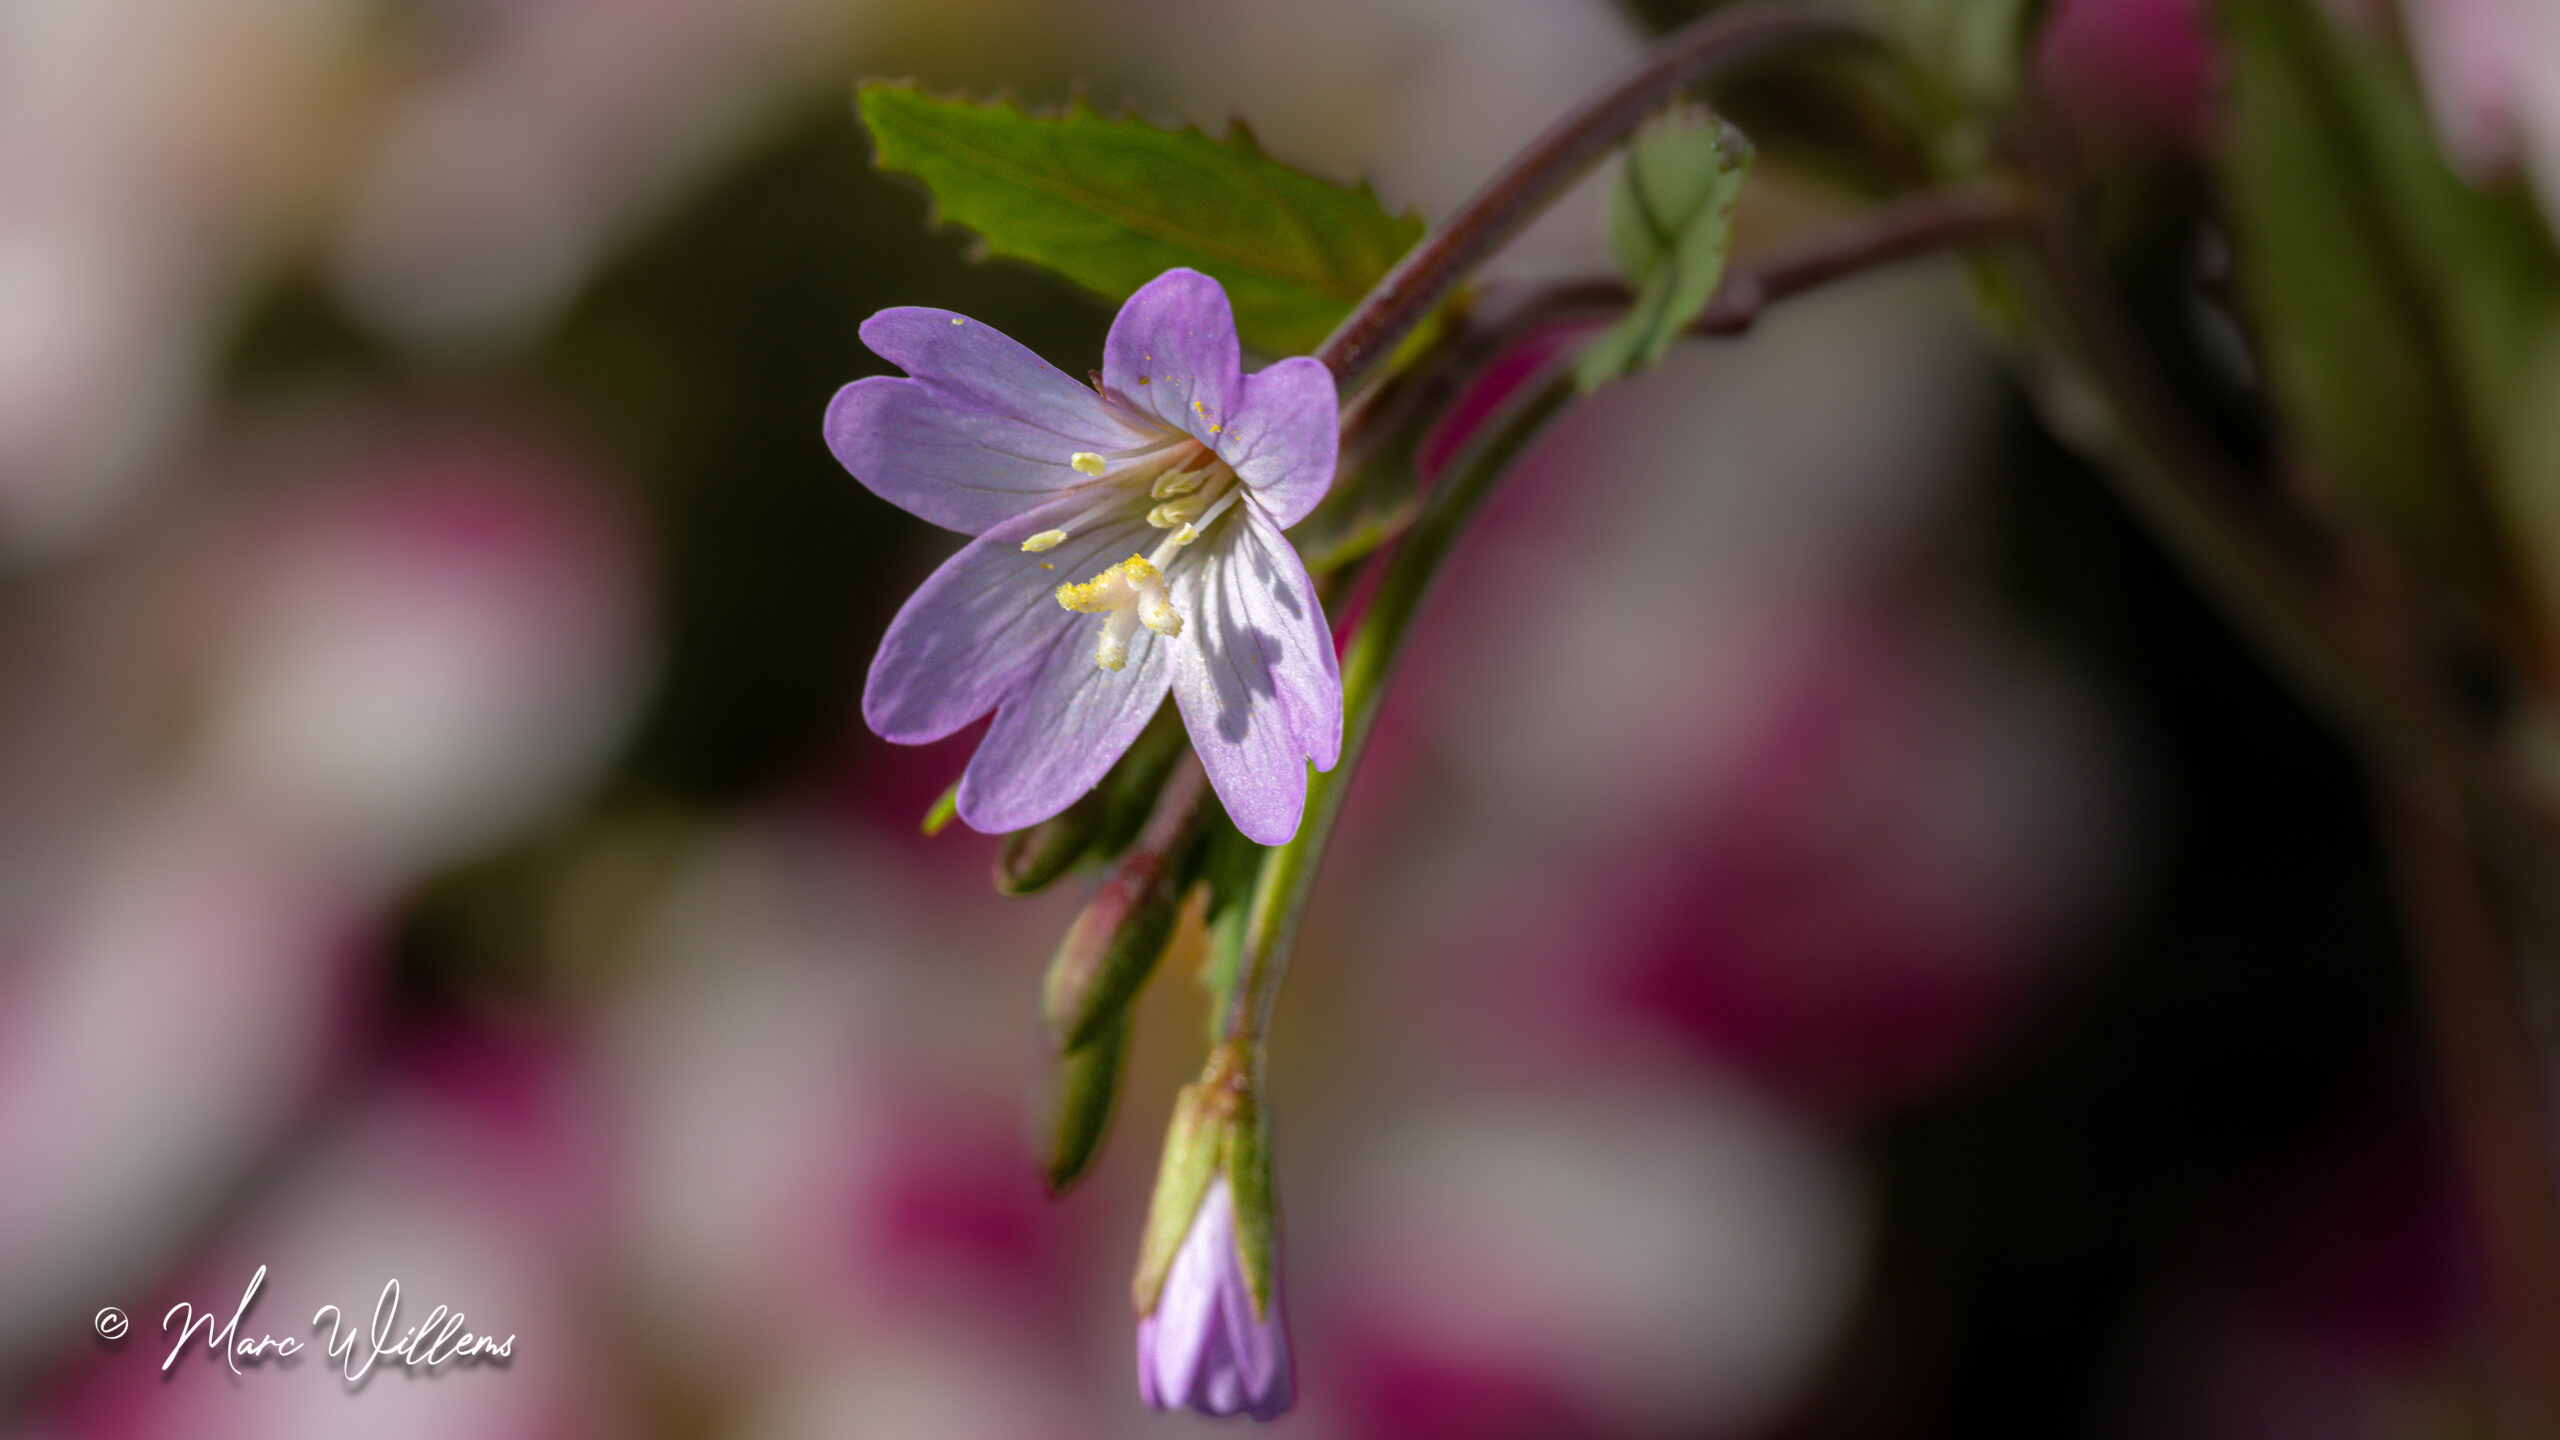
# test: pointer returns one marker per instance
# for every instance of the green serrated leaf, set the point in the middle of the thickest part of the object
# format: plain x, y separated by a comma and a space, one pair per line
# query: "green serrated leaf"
1111, 203
1670, 226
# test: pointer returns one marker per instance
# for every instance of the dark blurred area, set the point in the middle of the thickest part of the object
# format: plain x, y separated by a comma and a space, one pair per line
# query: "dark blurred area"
1835, 937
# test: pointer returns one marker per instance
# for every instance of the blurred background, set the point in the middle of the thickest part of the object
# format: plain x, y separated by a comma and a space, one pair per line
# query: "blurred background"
1833, 938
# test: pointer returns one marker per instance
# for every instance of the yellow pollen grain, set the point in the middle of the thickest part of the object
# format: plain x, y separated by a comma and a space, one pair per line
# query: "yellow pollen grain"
1085, 462
1093, 597
1045, 565
1214, 429
1142, 379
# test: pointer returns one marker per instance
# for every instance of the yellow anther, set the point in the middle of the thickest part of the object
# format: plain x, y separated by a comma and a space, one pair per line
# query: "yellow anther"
1111, 589
1181, 510
1045, 540
1085, 462
1177, 482
1185, 535
956, 320
1085, 596
1045, 565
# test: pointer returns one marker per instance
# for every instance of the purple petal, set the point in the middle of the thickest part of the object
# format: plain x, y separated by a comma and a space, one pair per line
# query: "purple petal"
982, 432
1203, 1348
1259, 687
980, 627
1173, 355
1283, 437
1055, 736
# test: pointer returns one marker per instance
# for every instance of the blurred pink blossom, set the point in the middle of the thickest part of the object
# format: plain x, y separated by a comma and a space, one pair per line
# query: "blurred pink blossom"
2492, 72
2128, 75
434, 654
1631, 1259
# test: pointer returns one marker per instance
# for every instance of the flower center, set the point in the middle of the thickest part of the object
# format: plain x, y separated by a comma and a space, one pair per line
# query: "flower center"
1191, 488
1127, 595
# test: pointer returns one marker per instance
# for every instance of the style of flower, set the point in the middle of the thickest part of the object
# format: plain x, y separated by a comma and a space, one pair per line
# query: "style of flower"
1203, 1346
1127, 539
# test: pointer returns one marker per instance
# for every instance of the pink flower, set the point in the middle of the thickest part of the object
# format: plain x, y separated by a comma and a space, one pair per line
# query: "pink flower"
1128, 541
1205, 1345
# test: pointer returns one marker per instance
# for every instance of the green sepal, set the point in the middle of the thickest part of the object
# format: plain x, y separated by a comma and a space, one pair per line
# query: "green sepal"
1113, 202
1085, 1090
1195, 1146
1670, 227
1248, 1166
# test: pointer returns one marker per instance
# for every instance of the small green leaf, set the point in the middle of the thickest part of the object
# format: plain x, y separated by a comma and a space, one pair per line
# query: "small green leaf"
1113, 203
1670, 226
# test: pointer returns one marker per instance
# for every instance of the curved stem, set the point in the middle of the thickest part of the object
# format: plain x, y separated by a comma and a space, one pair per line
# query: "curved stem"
1893, 232
1913, 225
1554, 160
1288, 872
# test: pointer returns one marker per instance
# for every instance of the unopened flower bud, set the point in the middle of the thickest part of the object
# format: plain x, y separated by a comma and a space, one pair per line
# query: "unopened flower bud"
1028, 859
1102, 822
1110, 948
1212, 1334
1085, 1089
1209, 1347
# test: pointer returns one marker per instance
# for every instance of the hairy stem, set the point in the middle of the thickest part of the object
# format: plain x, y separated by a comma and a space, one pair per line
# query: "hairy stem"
1535, 176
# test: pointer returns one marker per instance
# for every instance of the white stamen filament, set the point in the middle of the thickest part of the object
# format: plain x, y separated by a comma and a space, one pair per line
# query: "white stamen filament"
1051, 539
